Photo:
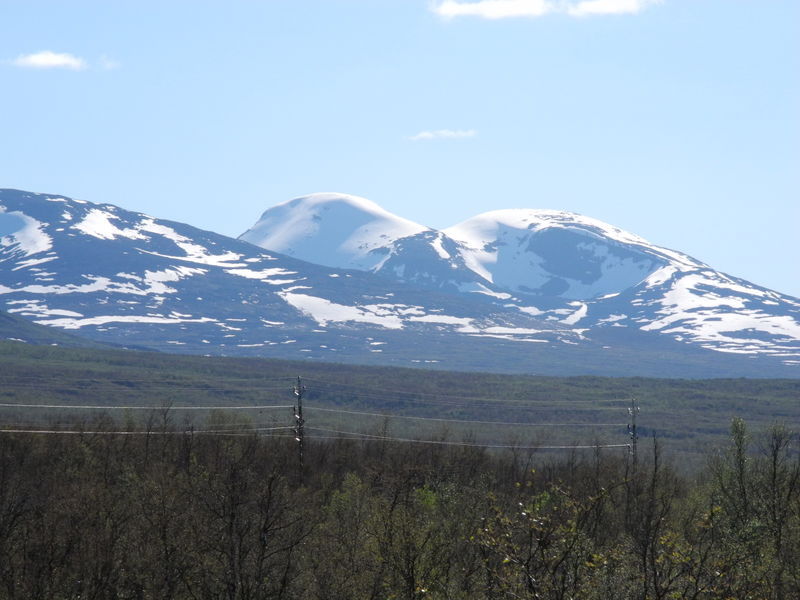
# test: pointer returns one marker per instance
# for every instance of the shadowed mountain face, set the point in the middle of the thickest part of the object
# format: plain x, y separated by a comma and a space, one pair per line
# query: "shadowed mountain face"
567, 263
583, 273
514, 291
19, 329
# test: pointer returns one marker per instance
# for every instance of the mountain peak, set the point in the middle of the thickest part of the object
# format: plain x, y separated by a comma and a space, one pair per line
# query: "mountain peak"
331, 229
559, 253
538, 219
328, 199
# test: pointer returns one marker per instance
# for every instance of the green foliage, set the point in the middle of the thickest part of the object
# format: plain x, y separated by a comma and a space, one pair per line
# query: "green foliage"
230, 516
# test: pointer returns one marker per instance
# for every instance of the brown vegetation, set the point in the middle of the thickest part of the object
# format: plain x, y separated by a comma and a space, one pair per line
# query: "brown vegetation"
181, 515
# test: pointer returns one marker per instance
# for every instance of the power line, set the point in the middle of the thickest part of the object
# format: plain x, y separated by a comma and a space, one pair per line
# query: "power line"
313, 408
352, 412
178, 389
438, 395
363, 436
370, 393
121, 388
530, 406
155, 408
324, 386
136, 432
150, 379
298, 429
467, 444
252, 429
468, 421
299, 421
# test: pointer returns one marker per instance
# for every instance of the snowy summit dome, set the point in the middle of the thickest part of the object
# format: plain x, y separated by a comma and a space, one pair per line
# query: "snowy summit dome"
558, 253
331, 229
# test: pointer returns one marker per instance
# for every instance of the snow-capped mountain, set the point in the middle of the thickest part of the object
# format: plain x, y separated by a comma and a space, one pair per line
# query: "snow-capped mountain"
617, 278
583, 273
125, 278
334, 230
555, 253
348, 232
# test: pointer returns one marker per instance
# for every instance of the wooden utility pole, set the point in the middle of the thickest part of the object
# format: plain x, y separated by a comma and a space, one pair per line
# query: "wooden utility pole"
299, 422
634, 436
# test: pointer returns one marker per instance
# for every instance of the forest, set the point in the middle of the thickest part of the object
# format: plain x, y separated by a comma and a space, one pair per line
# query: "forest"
173, 514
691, 418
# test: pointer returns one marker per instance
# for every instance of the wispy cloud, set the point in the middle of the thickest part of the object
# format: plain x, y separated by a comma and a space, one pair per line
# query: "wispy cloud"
443, 134
493, 9
506, 9
49, 60
609, 7
108, 64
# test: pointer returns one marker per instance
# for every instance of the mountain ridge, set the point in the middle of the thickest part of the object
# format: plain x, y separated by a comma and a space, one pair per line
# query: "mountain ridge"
126, 278
574, 269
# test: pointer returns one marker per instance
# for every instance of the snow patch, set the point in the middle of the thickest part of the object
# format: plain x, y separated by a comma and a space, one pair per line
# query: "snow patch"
479, 288
29, 237
443, 319
612, 319
263, 274
530, 310
324, 311
31, 262
154, 283
700, 307
97, 223
37, 308
78, 323
437, 245
577, 315
193, 252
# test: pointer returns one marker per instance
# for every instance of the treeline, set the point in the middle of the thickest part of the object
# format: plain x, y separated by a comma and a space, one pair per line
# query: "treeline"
688, 416
181, 515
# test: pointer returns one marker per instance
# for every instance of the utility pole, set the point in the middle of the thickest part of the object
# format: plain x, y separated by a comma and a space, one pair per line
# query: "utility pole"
299, 422
634, 436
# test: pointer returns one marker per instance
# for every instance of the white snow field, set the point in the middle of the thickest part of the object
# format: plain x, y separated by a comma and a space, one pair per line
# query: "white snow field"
335, 230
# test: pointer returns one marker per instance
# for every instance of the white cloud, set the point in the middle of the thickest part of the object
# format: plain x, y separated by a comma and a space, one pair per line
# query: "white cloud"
49, 60
608, 7
108, 64
505, 9
493, 9
439, 134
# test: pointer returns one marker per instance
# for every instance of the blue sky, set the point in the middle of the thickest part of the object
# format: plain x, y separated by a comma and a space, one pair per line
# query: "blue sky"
678, 120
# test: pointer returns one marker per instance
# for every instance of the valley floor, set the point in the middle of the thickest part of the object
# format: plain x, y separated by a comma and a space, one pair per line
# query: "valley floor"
45, 385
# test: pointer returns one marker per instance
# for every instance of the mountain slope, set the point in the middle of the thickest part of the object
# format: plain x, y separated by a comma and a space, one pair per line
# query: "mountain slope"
18, 329
554, 253
615, 278
129, 278
582, 273
126, 278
